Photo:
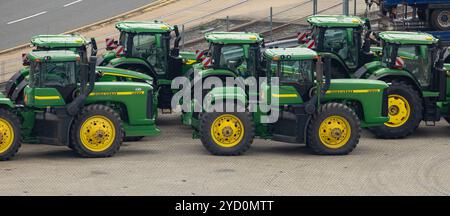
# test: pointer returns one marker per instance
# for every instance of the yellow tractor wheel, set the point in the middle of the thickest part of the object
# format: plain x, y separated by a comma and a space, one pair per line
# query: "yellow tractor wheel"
334, 130
226, 133
9, 135
404, 109
97, 132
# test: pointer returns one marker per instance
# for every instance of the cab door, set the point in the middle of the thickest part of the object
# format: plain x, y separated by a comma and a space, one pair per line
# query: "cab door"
52, 84
295, 85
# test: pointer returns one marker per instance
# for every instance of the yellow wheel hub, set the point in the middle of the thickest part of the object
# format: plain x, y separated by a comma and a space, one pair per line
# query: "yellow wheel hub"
398, 110
334, 132
6, 135
97, 133
227, 130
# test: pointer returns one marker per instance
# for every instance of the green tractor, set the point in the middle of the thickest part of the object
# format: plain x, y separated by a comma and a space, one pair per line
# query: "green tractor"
231, 52
145, 47
413, 65
64, 105
326, 114
16, 84
414, 86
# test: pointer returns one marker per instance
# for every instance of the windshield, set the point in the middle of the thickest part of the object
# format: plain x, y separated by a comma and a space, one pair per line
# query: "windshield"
233, 58
292, 71
148, 46
50, 74
341, 42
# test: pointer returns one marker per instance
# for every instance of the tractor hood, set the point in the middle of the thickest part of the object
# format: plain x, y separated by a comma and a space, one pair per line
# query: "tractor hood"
108, 71
356, 86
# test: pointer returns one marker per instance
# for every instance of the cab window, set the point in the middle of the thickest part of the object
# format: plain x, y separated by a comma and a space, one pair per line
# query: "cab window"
232, 57
50, 74
295, 71
144, 45
341, 42
416, 60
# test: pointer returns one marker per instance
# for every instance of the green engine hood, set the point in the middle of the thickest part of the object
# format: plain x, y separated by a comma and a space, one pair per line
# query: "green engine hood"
108, 71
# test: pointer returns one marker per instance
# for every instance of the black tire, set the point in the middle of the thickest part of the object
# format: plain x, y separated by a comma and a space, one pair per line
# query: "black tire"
415, 117
133, 138
105, 112
440, 19
11, 151
314, 142
206, 121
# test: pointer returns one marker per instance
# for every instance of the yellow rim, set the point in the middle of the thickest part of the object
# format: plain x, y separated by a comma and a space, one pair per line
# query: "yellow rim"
227, 130
334, 132
97, 133
398, 110
6, 135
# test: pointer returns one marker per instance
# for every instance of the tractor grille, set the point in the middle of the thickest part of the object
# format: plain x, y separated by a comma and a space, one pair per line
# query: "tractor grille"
384, 104
150, 104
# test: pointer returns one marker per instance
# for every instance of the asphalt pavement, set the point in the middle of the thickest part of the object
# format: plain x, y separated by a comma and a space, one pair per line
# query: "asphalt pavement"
22, 19
175, 164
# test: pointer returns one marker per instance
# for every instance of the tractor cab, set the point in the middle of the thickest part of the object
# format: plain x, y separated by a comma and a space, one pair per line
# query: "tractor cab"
233, 51
296, 70
417, 53
150, 43
145, 47
54, 78
347, 38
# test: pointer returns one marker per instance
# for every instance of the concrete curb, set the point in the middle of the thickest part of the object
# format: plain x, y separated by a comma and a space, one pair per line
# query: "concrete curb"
152, 6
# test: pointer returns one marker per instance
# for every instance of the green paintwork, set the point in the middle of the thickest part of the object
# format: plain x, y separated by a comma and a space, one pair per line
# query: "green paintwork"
108, 56
216, 72
117, 72
143, 27
5, 102
413, 38
54, 55
128, 60
130, 99
233, 38
291, 53
335, 21
58, 41
43, 97
369, 94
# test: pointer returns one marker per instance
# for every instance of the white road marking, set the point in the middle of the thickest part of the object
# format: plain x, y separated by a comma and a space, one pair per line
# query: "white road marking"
28, 17
71, 3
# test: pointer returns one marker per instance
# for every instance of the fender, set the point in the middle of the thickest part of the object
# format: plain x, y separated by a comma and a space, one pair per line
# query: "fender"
15, 80
388, 74
5, 102
211, 73
126, 62
221, 94
106, 58
370, 94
